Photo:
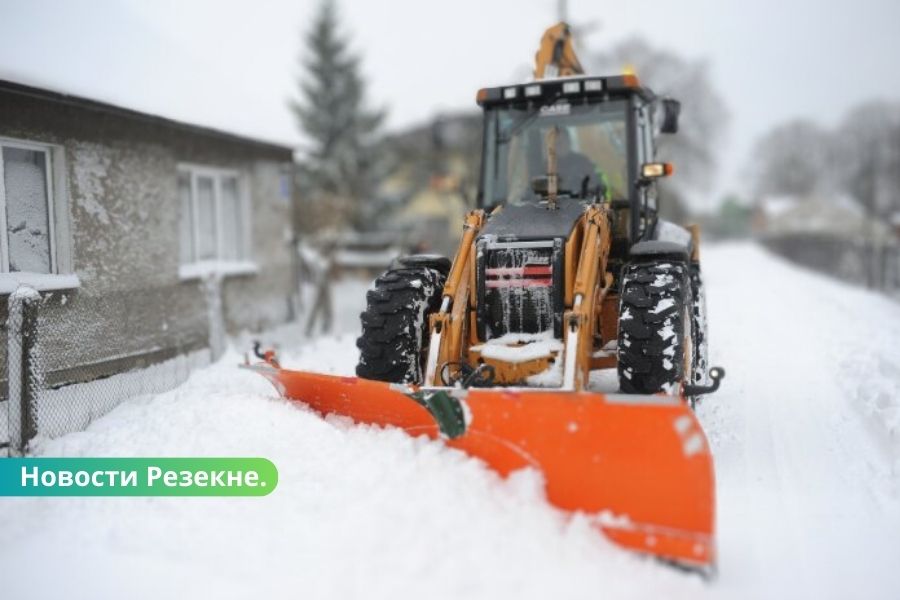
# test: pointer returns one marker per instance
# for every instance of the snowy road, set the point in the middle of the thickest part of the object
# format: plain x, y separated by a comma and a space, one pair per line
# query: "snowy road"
808, 473
805, 432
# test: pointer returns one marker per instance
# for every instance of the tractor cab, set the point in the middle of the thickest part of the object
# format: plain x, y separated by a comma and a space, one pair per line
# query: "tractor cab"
552, 150
599, 131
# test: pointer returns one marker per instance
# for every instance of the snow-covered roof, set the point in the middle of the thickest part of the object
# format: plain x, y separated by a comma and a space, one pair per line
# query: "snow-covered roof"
54, 94
774, 206
837, 215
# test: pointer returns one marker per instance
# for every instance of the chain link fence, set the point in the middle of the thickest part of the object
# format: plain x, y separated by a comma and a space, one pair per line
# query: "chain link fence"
4, 390
67, 358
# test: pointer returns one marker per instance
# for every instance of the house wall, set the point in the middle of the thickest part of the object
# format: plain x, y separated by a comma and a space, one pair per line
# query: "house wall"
121, 174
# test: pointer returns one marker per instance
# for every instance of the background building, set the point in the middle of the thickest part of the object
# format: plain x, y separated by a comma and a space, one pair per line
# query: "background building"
148, 239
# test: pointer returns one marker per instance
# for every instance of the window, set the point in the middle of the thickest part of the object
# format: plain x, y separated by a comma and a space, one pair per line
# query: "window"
645, 123
591, 148
214, 223
646, 151
33, 218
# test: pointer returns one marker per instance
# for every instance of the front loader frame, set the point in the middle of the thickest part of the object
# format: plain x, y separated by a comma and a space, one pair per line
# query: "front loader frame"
453, 328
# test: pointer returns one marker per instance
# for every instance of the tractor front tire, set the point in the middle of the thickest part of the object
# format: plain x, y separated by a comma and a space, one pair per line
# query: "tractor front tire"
655, 349
395, 329
699, 328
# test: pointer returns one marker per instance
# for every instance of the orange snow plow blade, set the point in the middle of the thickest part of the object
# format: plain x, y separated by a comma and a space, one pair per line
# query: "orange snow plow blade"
640, 465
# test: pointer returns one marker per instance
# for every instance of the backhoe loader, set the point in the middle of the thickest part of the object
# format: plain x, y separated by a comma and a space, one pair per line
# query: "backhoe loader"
568, 333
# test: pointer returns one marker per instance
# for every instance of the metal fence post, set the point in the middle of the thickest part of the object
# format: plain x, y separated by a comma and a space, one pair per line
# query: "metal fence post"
21, 356
212, 286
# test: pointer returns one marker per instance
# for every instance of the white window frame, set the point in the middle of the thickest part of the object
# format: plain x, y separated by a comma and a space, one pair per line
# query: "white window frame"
61, 275
198, 269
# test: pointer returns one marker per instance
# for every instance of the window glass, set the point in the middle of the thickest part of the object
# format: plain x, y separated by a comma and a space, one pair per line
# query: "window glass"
27, 210
186, 223
591, 150
641, 140
213, 216
206, 218
232, 238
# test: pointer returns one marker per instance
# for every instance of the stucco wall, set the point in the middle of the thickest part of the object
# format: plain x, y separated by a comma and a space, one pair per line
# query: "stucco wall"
121, 175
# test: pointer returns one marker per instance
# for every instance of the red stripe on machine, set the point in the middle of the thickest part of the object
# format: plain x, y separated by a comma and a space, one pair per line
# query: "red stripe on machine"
507, 283
519, 271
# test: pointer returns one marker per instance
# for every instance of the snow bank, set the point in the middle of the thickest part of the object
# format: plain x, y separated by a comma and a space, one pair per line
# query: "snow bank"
803, 431
359, 512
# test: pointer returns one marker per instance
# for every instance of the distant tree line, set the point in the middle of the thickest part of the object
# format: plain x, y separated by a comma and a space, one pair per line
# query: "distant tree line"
860, 158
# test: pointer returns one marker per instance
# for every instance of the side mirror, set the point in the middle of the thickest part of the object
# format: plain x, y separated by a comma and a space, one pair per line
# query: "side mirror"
671, 108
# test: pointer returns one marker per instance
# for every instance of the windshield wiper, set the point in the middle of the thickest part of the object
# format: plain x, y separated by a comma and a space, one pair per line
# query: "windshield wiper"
504, 138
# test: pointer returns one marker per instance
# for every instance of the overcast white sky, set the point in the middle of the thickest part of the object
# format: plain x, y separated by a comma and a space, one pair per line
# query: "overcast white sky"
232, 63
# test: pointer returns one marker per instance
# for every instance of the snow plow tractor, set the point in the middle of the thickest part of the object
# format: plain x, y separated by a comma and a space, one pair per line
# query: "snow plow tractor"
568, 333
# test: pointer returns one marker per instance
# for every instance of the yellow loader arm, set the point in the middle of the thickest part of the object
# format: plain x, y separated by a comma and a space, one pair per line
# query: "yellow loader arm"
556, 55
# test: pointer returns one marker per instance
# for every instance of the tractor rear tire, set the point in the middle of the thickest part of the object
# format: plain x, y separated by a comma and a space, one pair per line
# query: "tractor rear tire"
655, 349
395, 329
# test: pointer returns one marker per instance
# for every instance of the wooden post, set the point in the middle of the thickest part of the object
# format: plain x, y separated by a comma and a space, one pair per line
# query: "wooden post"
20, 361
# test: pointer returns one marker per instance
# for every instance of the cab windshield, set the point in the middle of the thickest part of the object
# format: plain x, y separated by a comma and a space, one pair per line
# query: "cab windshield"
591, 151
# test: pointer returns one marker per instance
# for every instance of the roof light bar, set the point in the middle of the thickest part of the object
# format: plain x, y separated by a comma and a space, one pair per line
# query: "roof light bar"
571, 87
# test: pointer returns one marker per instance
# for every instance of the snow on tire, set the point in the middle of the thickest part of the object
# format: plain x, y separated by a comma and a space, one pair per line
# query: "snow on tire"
654, 327
395, 324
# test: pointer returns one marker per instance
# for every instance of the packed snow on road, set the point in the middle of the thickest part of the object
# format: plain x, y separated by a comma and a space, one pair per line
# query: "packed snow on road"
805, 432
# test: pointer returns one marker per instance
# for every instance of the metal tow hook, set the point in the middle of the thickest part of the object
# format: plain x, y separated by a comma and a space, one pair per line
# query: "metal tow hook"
717, 374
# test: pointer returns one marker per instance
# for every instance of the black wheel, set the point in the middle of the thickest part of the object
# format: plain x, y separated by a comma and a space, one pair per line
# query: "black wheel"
655, 345
395, 330
700, 340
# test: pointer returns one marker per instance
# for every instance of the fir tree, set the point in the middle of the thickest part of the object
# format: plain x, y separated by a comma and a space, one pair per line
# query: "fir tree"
340, 166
